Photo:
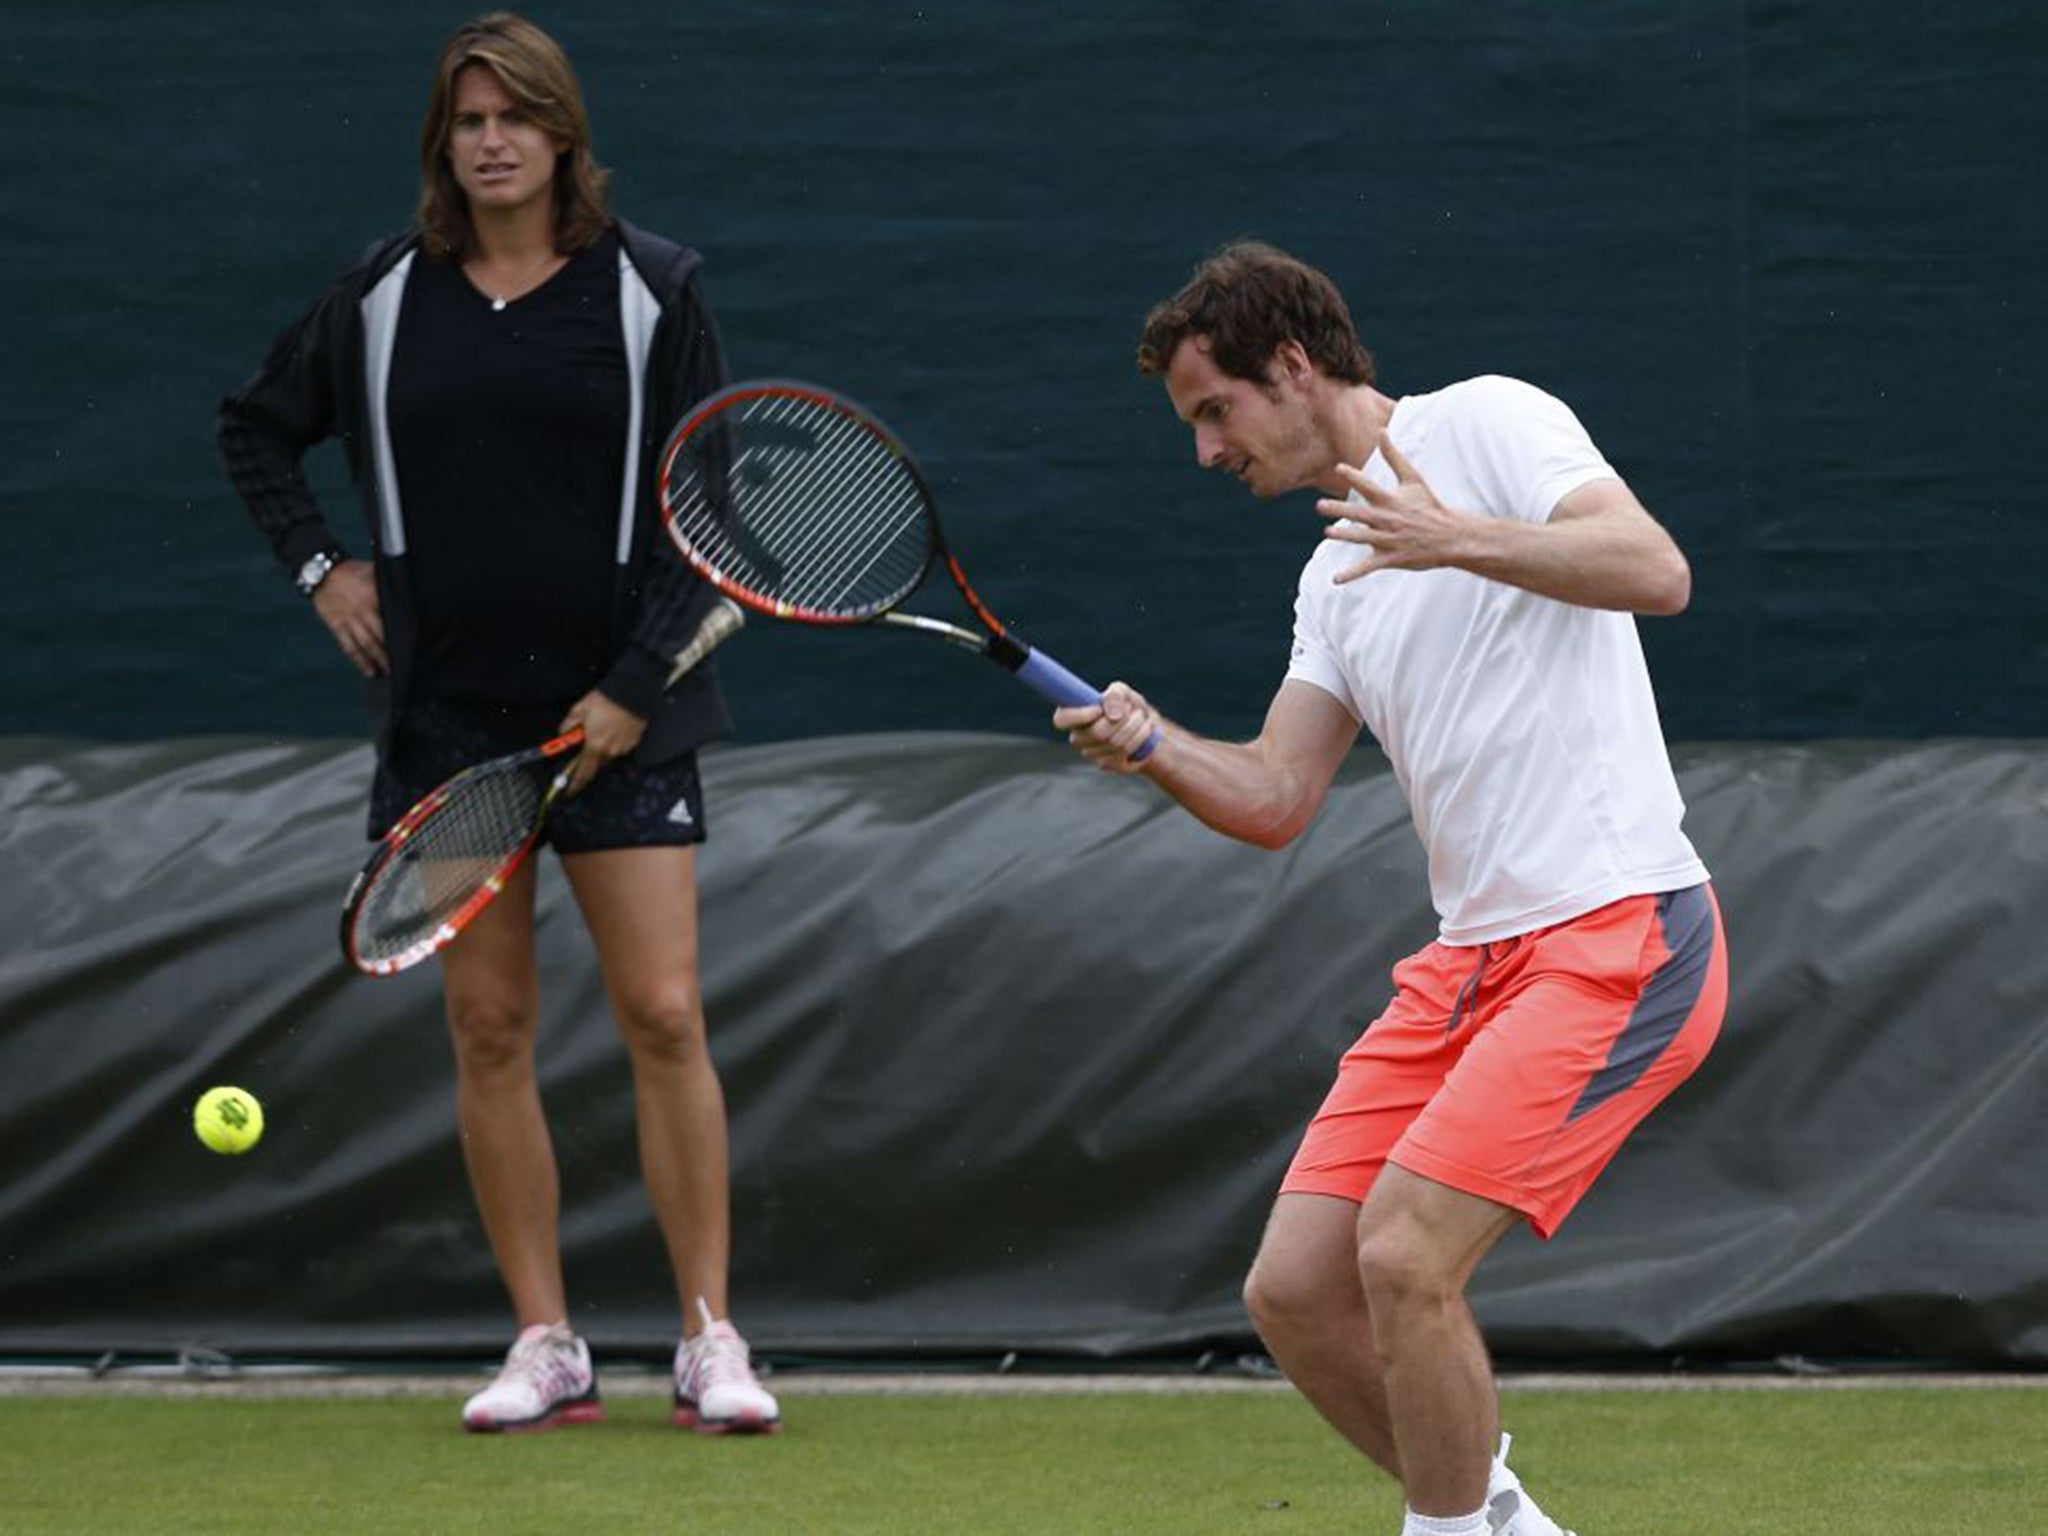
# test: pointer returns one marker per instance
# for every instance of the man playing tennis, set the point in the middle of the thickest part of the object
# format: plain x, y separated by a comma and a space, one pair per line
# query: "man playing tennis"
1472, 606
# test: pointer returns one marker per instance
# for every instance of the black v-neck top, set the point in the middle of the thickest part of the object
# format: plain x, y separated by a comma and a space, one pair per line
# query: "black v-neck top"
508, 427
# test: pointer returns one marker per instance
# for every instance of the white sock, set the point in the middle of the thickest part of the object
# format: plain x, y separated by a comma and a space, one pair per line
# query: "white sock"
1473, 1524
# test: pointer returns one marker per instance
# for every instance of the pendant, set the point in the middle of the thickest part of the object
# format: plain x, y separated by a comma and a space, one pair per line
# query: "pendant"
497, 304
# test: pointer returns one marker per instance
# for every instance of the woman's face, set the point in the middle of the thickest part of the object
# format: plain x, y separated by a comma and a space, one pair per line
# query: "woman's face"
501, 158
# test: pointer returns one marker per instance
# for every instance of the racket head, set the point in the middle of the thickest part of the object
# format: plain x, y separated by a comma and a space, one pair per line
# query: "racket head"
793, 500
447, 858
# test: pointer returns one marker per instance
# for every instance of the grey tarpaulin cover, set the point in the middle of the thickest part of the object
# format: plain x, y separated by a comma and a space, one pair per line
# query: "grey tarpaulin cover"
1015, 1054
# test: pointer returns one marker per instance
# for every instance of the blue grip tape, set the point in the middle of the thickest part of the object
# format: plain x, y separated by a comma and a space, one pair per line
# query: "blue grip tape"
1050, 680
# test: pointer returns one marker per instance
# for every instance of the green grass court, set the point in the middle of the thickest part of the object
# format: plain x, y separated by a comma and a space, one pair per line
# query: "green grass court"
1631, 1461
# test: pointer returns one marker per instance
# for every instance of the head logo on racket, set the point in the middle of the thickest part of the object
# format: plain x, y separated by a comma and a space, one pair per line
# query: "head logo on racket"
795, 501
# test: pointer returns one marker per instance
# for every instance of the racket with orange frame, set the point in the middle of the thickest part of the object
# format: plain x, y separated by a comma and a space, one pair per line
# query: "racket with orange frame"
793, 500
448, 857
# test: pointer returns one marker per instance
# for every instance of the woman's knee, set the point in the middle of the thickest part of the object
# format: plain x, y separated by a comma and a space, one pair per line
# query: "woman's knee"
667, 1024
491, 1031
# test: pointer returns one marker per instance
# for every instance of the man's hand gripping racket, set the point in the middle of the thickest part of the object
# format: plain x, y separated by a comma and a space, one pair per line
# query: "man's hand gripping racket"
448, 857
803, 506
1117, 737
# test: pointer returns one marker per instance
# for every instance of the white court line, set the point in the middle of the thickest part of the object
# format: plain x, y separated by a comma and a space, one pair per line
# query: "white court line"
641, 1381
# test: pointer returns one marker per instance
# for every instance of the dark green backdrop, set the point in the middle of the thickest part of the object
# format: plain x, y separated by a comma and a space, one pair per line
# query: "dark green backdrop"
1784, 257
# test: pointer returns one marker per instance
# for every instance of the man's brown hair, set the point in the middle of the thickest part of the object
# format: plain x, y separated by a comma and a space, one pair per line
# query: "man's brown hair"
536, 74
1246, 300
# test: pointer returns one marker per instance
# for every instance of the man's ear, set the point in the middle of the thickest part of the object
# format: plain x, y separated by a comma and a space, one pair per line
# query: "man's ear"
1291, 363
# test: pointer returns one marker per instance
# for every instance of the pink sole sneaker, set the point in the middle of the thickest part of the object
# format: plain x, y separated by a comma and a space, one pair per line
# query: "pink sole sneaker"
687, 1418
568, 1413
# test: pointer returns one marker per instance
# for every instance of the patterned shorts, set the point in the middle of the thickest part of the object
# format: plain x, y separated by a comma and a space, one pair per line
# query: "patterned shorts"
628, 805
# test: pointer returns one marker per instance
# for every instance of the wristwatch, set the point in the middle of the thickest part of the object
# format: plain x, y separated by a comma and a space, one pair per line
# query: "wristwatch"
315, 571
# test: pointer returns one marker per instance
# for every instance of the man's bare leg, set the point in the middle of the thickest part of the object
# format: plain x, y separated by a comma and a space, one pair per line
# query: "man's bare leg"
1418, 1243
1308, 1303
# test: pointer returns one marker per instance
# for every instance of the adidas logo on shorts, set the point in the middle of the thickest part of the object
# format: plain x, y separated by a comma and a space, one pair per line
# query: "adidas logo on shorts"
679, 813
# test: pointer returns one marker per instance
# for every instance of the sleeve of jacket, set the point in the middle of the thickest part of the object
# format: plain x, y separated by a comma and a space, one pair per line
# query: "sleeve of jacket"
691, 365
265, 427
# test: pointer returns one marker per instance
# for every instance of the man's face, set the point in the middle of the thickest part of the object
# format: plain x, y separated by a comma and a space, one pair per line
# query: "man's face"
1265, 434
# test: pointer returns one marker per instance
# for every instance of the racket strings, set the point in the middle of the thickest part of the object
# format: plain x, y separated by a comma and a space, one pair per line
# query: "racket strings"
842, 520
836, 515
804, 505
792, 519
456, 850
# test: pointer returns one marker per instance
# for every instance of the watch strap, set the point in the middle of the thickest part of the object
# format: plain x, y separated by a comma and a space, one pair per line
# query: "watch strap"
316, 569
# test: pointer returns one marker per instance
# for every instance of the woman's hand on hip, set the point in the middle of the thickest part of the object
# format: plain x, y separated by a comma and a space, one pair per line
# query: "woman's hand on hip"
347, 604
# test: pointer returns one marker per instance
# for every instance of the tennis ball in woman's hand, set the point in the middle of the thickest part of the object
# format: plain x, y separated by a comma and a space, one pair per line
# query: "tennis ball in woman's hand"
228, 1119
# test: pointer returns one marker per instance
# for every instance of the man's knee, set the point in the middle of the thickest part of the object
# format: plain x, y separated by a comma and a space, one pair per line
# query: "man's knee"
1278, 1297
1302, 1282
1399, 1266
1419, 1241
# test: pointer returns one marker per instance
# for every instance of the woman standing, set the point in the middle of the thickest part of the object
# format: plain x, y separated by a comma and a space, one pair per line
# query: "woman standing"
501, 379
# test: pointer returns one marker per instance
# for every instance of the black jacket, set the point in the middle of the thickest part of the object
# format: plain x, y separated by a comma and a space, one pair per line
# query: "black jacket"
325, 377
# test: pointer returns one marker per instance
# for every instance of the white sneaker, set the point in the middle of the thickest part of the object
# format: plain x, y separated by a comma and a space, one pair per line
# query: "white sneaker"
1509, 1509
546, 1380
717, 1392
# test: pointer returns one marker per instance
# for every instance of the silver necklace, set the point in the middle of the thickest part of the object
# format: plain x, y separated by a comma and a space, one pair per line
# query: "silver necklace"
500, 300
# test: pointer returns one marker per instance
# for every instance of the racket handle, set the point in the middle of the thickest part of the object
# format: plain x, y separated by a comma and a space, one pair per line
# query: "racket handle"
717, 626
1047, 678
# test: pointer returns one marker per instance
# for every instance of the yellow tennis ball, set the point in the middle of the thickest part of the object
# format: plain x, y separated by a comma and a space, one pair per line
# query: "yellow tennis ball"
228, 1119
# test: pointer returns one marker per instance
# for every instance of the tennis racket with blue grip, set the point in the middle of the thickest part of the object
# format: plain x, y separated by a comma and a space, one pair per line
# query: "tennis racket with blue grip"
799, 504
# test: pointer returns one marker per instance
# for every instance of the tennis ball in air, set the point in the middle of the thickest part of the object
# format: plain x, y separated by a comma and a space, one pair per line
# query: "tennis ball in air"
228, 1119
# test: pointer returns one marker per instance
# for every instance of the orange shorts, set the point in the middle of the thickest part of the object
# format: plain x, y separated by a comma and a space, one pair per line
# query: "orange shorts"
1515, 1070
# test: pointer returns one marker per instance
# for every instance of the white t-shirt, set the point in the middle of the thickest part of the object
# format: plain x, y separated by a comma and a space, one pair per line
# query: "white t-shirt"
1522, 729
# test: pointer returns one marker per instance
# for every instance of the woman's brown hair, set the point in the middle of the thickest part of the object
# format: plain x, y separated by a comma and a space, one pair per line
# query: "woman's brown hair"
536, 74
